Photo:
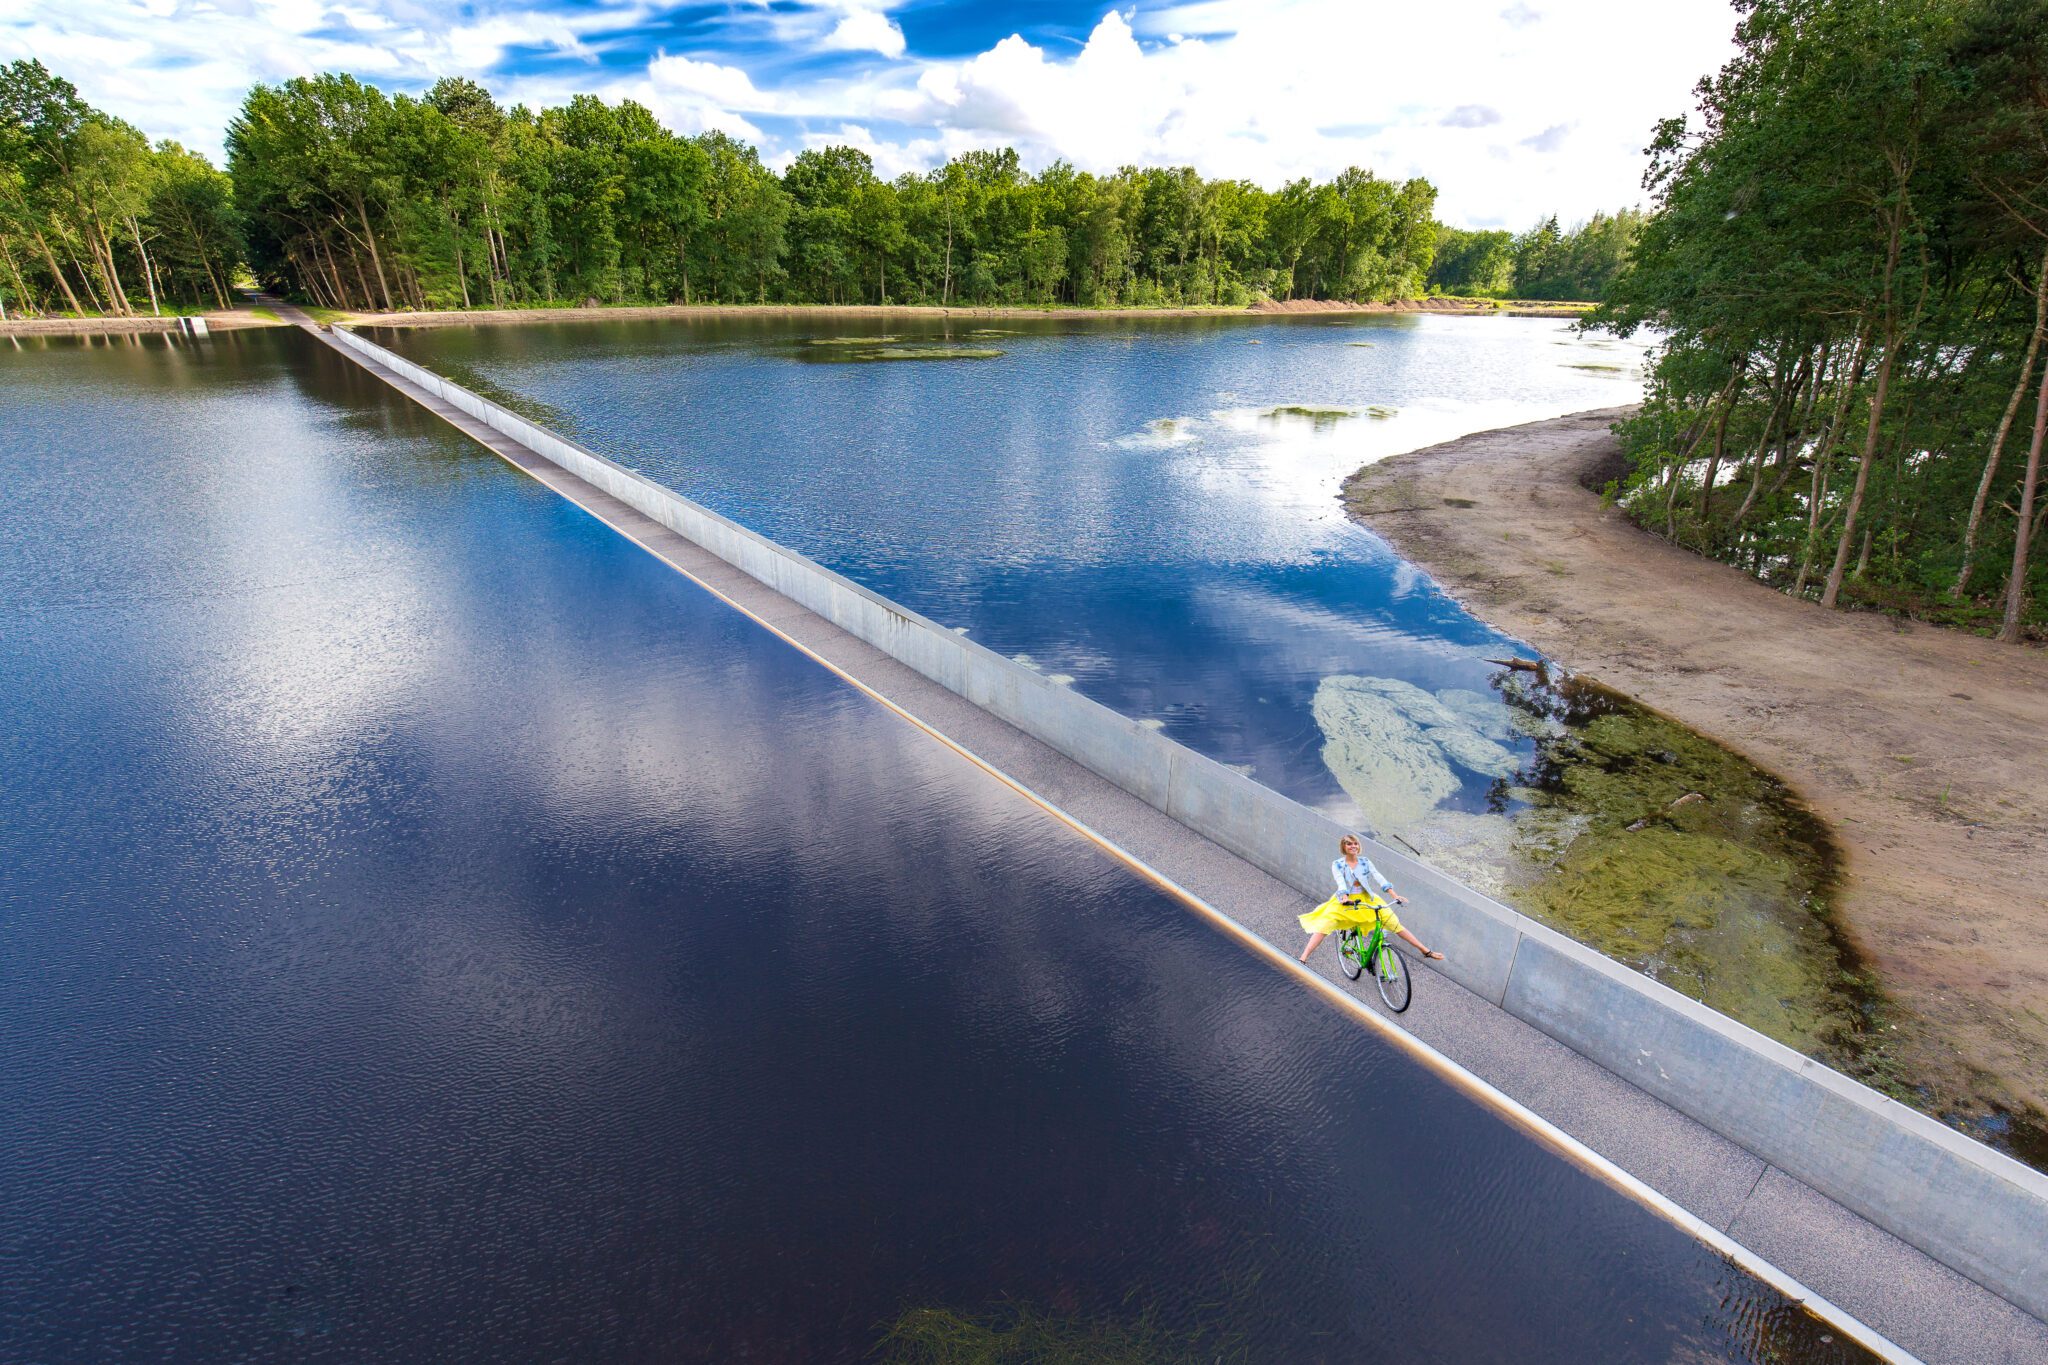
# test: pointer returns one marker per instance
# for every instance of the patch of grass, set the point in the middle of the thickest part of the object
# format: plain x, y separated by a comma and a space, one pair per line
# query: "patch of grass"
327, 315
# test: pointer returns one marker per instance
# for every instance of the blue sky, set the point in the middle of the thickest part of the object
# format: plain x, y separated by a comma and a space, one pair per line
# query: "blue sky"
1514, 108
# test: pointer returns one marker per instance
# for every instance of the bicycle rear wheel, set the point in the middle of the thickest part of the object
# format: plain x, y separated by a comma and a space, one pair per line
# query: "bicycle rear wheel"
1348, 953
1392, 977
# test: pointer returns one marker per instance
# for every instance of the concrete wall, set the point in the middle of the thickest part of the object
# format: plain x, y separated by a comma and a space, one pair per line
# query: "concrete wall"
1961, 1203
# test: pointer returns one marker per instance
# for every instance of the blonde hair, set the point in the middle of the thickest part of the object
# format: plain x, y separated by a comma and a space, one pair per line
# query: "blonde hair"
1350, 841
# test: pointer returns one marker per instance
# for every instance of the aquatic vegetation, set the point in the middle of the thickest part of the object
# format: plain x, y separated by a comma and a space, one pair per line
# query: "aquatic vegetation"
1468, 748
1382, 757
1617, 826
857, 350
1021, 1335
1693, 865
1321, 418
924, 353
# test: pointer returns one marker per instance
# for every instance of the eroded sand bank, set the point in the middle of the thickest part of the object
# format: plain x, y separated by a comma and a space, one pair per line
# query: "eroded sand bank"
1924, 750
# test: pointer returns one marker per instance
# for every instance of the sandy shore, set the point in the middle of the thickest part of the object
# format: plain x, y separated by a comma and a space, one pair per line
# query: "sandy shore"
1924, 749
871, 312
850, 312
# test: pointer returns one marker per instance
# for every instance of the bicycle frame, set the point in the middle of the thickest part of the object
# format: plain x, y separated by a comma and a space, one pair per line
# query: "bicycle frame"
1374, 946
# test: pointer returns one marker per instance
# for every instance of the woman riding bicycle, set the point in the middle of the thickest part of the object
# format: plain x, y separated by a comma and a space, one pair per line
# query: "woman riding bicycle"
1355, 906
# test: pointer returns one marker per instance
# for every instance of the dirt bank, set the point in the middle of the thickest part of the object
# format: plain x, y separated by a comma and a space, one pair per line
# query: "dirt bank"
1462, 307
1923, 749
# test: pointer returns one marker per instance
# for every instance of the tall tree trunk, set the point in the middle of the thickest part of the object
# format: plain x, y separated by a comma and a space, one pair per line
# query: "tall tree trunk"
1787, 398
1896, 239
376, 259
946, 291
50, 258
2012, 407
1833, 589
1732, 392
333, 271
21, 295
117, 288
85, 278
103, 246
148, 271
1824, 460
1799, 426
2023, 532
1703, 500
205, 262
461, 273
369, 299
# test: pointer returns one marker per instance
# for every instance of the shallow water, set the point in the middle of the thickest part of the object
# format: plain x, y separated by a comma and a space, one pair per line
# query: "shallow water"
1148, 510
431, 929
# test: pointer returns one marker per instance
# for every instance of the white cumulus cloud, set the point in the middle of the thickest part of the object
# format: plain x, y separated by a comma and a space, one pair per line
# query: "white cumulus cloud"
1511, 111
866, 30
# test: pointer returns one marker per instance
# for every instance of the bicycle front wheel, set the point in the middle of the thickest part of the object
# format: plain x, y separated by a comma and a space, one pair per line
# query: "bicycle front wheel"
1392, 976
1348, 953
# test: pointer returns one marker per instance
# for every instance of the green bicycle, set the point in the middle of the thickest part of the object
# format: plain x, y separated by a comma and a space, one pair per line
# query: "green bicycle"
1388, 972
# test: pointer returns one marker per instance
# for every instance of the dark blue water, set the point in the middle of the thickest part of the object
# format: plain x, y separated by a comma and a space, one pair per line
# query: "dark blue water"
431, 929
1125, 504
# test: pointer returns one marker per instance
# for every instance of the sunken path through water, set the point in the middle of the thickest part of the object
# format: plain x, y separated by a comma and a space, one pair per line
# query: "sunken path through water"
434, 929
1148, 511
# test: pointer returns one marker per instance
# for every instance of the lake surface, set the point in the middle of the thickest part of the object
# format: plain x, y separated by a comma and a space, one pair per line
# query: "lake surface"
431, 929
1148, 509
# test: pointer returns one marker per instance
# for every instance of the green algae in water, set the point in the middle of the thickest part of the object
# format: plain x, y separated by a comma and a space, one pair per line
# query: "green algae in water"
863, 355
1321, 418
1622, 829
848, 341
1685, 861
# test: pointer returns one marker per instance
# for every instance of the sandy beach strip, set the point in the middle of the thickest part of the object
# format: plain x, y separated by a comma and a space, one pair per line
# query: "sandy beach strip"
1924, 749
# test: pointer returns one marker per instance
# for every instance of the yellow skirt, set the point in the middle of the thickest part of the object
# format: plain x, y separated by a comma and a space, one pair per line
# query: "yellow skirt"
1350, 912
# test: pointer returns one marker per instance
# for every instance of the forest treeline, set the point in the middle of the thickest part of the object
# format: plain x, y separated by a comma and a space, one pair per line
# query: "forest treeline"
359, 199
1546, 262
1848, 256
94, 219
341, 195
